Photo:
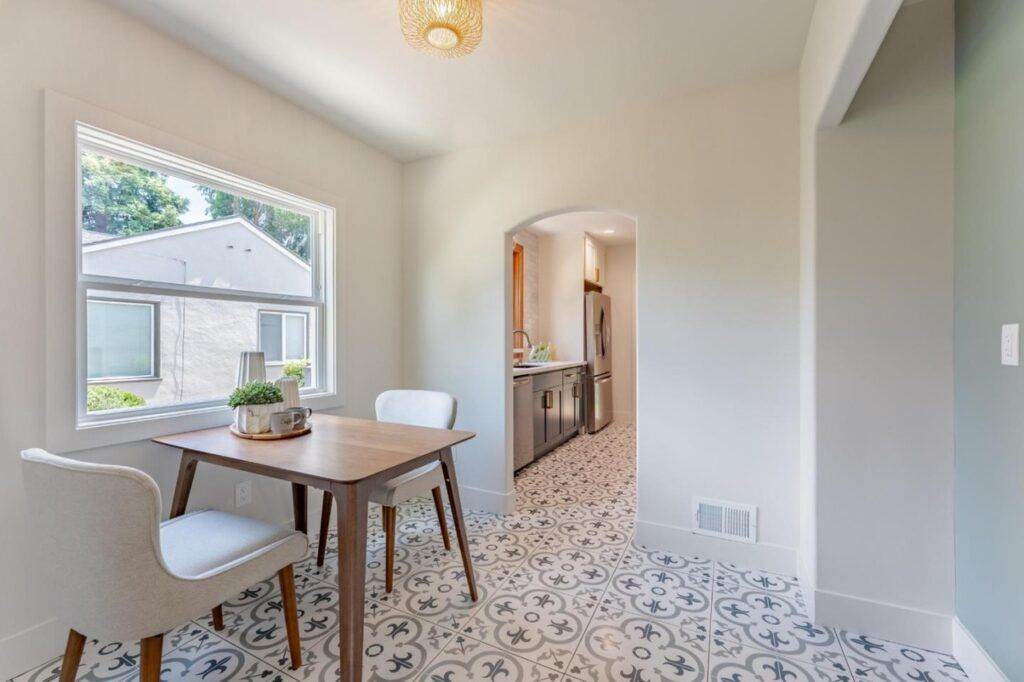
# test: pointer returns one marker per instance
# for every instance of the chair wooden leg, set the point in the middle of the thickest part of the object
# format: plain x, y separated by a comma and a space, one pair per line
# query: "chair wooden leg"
149, 663
72, 656
439, 506
389, 517
325, 526
291, 617
218, 617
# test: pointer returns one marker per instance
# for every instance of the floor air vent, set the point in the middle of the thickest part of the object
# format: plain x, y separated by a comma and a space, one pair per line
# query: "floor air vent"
728, 520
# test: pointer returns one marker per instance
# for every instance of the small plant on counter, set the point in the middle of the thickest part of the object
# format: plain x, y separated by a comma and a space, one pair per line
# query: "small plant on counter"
255, 393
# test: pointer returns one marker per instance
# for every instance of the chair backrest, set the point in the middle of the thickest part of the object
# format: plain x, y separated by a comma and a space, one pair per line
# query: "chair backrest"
100, 529
418, 408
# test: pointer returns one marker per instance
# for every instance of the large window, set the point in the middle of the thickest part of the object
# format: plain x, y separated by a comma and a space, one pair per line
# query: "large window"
181, 268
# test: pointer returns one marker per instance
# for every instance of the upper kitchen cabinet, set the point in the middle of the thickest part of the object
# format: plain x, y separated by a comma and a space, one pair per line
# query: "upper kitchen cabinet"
593, 260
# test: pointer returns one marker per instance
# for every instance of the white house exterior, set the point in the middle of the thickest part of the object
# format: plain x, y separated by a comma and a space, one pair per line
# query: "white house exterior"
193, 343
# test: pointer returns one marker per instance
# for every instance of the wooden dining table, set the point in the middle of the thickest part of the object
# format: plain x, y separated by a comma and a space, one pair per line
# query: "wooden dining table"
346, 457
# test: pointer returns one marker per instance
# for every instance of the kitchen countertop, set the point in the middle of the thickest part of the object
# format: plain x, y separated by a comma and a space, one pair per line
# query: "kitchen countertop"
546, 367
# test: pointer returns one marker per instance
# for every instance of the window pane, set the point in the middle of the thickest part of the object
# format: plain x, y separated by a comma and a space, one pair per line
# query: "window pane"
200, 341
120, 339
144, 225
295, 341
270, 337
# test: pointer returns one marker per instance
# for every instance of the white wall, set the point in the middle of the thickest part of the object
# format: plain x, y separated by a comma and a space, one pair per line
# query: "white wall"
884, 342
620, 284
713, 181
561, 294
92, 52
842, 41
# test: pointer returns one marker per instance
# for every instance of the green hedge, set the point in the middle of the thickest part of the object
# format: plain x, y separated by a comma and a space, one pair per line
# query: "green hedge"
100, 398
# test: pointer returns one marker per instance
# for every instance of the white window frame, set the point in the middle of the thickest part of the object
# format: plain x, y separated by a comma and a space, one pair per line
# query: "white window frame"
89, 138
154, 340
284, 334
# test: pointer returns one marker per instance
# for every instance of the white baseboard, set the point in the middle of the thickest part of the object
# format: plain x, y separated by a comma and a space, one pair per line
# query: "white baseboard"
973, 658
772, 558
903, 624
478, 499
31, 647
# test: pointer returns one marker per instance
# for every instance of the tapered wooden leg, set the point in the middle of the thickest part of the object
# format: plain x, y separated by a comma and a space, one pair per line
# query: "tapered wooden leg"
389, 547
149, 662
299, 507
351, 501
325, 526
183, 487
291, 616
452, 484
439, 506
72, 656
218, 617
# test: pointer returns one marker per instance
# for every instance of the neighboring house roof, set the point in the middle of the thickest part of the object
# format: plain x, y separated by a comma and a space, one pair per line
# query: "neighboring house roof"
93, 242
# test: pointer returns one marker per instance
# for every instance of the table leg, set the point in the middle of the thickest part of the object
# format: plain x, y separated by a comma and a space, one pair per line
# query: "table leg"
299, 494
351, 500
452, 483
186, 472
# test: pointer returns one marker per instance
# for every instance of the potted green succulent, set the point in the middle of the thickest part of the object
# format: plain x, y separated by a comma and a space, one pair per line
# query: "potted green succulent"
253, 404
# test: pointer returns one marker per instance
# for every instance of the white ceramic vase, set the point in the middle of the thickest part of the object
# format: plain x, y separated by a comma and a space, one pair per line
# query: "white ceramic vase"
254, 419
289, 387
251, 367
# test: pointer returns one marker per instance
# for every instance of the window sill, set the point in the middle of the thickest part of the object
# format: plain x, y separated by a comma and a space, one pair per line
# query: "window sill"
124, 427
122, 380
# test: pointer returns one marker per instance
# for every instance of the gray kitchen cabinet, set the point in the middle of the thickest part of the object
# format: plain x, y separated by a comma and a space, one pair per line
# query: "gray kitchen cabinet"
539, 421
557, 409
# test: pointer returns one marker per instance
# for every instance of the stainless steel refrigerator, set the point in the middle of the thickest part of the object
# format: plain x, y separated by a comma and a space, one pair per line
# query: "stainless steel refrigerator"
598, 338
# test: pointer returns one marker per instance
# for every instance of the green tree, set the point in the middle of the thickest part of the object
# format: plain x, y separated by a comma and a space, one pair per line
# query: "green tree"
288, 228
122, 199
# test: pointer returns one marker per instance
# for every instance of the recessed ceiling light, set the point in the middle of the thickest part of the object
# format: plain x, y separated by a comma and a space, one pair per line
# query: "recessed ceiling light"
609, 232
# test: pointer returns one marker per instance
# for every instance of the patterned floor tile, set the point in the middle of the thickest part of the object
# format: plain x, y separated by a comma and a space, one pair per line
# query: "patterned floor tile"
110, 660
871, 658
536, 623
568, 569
625, 646
735, 663
258, 625
396, 646
637, 556
440, 595
764, 621
661, 594
469, 659
208, 658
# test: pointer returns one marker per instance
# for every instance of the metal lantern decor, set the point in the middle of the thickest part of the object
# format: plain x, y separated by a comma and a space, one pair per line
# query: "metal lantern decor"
448, 28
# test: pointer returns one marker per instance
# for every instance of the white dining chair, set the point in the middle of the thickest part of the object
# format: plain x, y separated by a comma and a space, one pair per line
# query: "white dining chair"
418, 408
121, 575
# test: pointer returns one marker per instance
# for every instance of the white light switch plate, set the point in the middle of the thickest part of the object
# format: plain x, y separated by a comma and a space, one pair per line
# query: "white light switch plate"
1010, 352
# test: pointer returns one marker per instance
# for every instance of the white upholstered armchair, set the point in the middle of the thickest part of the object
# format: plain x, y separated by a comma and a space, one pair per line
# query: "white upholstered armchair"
123, 575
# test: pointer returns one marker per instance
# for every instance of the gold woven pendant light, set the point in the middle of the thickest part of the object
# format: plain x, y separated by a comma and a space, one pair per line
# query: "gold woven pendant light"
448, 28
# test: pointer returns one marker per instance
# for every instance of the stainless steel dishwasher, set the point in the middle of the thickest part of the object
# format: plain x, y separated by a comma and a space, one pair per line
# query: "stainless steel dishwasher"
522, 417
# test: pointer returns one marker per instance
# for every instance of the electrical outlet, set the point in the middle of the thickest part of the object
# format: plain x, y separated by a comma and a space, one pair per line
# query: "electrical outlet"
243, 493
1010, 345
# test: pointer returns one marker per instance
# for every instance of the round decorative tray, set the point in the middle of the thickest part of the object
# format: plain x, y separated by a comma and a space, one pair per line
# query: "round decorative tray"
270, 435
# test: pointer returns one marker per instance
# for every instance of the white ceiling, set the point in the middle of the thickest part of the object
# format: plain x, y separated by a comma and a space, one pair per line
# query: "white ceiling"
542, 63
613, 229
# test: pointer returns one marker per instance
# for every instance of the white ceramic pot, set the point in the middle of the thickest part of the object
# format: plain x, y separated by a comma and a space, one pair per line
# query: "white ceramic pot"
253, 419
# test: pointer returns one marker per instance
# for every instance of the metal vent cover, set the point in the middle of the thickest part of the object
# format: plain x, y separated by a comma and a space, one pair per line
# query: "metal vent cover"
727, 520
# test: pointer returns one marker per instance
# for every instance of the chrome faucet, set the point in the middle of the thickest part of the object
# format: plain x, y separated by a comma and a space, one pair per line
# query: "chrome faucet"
529, 343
